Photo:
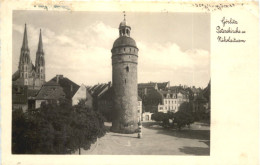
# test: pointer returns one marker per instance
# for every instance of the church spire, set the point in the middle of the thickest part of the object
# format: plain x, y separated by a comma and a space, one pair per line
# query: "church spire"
40, 47
25, 40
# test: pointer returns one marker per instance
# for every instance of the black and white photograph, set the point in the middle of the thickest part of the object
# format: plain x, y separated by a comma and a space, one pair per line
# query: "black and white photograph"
129, 82
111, 83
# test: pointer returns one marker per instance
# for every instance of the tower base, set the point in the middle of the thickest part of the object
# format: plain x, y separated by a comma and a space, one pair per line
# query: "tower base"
124, 129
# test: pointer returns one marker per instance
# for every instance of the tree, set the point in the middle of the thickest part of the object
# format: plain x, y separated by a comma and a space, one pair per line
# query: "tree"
184, 115
56, 129
159, 116
87, 126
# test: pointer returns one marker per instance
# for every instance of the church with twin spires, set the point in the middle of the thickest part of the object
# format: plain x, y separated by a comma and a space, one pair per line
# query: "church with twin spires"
28, 74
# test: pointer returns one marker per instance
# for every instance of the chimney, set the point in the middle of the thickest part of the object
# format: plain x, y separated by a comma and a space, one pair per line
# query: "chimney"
57, 78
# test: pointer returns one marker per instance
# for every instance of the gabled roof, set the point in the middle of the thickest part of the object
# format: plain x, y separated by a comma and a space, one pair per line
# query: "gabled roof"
195, 90
162, 85
206, 92
98, 89
152, 97
69, 87
32, 93
200, 98
146, 85
107, 95
50, 91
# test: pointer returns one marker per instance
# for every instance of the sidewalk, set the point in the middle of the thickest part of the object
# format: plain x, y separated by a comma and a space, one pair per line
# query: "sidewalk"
155, 141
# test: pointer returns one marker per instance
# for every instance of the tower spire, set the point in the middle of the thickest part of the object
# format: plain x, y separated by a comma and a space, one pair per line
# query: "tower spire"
40, 47
124, 15
25, 40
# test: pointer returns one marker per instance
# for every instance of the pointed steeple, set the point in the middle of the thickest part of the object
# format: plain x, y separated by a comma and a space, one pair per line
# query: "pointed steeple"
124, 28
25, 40
40, 47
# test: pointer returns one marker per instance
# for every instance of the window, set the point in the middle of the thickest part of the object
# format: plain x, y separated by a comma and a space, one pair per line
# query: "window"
125, 81
127, 69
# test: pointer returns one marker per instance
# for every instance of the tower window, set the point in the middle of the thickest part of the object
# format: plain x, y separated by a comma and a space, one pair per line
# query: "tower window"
125, 81
127, 69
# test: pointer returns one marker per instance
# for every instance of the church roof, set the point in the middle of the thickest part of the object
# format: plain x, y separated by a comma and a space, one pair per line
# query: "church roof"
25, 40
124, 41
40, 47
15, 76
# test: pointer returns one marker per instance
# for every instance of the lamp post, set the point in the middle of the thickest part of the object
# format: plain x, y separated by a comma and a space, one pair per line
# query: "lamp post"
139, 129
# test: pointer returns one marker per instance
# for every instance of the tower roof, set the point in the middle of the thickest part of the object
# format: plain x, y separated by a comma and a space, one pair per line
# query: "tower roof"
40, 47
25, 40
123, 23
124, 41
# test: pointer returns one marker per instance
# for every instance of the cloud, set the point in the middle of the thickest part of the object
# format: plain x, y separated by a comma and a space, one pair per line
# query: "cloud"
84, 56
167, 62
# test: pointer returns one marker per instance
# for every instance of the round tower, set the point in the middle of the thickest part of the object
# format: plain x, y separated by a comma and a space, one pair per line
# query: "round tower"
124, 79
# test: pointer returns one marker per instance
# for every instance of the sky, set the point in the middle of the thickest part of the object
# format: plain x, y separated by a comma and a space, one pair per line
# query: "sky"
173, 47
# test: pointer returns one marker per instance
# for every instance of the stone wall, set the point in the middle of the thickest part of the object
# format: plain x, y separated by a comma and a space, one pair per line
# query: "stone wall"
125, 101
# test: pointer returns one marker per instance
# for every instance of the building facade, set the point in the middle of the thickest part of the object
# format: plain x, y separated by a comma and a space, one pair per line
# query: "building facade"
171, 101
32, 76
82, 94
124, 79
